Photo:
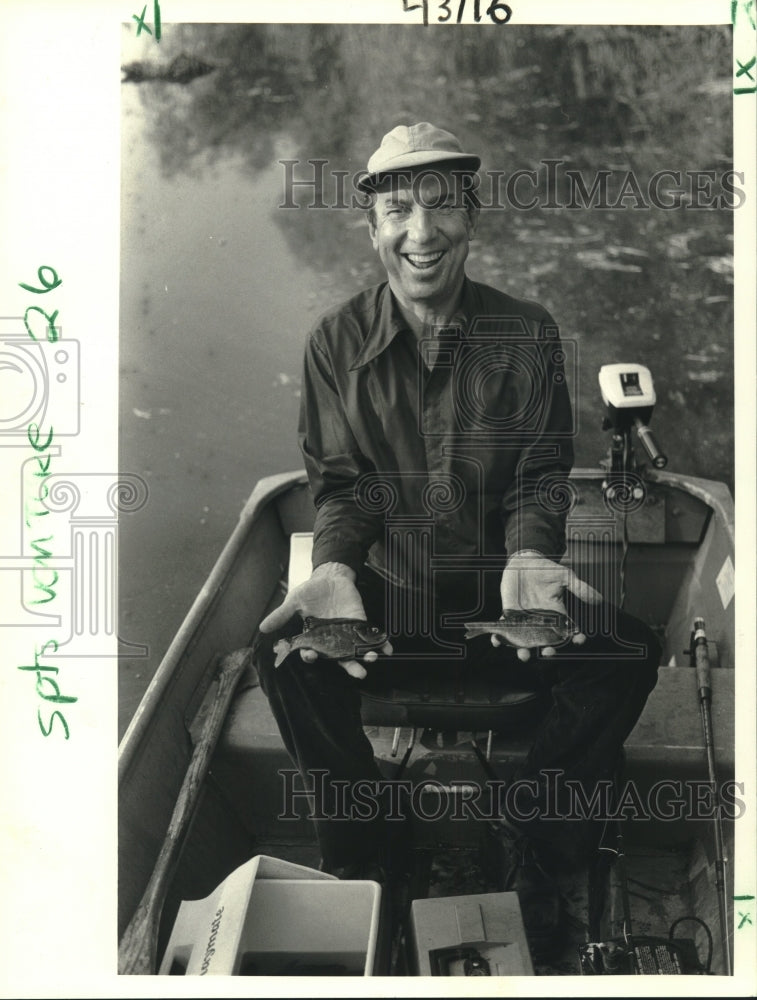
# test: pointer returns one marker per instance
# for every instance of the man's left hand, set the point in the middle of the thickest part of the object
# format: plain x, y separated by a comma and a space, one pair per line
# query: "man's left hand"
532, 582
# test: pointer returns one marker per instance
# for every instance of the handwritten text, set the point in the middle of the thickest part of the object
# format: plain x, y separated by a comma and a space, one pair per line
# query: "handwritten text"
45, 577
499, 13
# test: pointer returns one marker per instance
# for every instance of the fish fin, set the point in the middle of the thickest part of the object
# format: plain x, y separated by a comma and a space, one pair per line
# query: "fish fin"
281, 649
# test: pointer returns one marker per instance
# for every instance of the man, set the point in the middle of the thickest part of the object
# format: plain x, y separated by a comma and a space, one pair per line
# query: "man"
434, 411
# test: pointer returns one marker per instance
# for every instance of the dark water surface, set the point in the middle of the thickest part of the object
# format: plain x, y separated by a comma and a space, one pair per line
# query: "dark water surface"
214, 309
219, 286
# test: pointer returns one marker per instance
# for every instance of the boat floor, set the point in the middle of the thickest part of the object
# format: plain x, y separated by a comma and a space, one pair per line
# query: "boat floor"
659, 887
670, 866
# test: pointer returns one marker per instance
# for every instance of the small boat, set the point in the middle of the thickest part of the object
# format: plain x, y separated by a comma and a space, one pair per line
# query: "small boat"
671, 554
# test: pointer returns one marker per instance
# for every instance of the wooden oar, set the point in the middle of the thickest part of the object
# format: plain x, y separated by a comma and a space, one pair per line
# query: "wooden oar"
137, 952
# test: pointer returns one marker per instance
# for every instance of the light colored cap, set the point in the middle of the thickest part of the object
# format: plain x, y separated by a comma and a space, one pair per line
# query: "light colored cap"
418, 145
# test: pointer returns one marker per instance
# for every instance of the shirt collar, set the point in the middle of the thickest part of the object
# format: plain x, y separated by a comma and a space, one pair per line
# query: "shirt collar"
389, 321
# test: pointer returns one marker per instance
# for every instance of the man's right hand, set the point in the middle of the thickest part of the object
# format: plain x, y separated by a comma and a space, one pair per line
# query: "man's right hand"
329, 593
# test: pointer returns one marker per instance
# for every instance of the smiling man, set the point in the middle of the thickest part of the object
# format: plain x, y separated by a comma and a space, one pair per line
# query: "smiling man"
421, 226
434, 411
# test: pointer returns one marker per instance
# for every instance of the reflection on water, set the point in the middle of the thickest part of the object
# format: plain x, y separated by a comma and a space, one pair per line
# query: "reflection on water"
211, 342
219, 286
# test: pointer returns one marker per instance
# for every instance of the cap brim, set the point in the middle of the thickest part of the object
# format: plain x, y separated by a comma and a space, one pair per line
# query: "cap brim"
460, 161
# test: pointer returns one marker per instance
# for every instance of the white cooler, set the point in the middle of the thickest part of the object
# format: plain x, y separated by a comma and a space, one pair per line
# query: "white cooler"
270, 917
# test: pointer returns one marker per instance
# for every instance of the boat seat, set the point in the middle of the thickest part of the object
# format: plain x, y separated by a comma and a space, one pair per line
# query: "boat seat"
439, 698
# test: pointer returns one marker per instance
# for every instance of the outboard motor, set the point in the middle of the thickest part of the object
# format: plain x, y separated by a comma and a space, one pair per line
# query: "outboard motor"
628, 393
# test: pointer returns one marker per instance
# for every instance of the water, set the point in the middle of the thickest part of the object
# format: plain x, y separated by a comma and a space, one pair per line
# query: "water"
219, 286
214, 309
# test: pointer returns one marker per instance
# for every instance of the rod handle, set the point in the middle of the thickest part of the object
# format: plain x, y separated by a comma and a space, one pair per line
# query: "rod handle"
702, 659
658, 459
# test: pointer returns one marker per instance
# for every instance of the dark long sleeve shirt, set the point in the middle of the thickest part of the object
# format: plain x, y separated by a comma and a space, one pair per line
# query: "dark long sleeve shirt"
436, 455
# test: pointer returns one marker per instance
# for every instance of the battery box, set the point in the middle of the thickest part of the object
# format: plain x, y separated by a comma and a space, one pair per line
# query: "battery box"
640, 956
480, 935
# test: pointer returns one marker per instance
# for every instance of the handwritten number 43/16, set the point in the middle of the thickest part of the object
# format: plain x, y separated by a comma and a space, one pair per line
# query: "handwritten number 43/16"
500, 13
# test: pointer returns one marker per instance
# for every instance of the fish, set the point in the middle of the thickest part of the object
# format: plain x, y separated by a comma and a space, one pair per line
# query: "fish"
333, 639
526, 629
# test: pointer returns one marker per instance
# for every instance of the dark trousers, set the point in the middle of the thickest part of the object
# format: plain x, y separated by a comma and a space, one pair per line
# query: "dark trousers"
595, 694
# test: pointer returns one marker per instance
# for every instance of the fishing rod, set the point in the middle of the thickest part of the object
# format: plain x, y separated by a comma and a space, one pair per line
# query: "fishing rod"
646, 955
704, 685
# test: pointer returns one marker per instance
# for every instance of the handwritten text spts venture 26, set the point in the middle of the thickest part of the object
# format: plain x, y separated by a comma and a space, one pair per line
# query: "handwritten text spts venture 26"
45, 577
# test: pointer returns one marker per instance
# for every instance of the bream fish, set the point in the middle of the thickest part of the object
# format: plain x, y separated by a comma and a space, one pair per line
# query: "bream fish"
333, 639
526, 629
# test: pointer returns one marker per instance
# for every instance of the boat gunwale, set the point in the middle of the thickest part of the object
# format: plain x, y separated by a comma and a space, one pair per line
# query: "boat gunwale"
265, 490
